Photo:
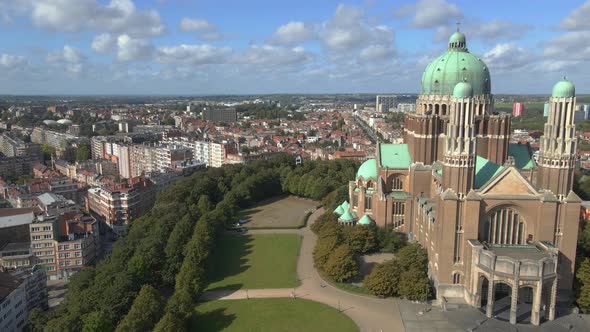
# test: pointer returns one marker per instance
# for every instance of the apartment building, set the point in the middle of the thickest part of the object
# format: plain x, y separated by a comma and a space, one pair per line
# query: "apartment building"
11, 146
15, 167
13, 303
118, 205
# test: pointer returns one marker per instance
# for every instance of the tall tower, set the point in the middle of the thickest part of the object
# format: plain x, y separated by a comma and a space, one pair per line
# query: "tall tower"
558, 143
460, 142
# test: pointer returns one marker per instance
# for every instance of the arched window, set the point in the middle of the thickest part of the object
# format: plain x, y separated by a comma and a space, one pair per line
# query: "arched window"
397, 184
370, 185
456, 278
504, 226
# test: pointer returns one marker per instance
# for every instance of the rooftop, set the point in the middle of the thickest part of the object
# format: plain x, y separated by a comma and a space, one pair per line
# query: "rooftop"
521, 252
394, 156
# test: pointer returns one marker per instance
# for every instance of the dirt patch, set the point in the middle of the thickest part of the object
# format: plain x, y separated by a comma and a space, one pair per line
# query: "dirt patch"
368, 262
281, 212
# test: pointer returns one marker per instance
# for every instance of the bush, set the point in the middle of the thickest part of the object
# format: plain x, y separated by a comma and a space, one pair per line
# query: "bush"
583, 283
389, 240
414, 285
341, 265
321, 221
361, 239
323, 249
384, 279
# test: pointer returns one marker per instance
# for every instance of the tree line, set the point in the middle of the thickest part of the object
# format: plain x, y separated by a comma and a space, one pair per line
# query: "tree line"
156, 272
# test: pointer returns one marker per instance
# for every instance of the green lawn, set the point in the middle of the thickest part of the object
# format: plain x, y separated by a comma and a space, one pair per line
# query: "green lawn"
269, 315
255, 261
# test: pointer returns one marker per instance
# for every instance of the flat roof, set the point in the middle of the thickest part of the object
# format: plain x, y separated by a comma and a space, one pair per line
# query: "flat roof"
520, 252
14, 246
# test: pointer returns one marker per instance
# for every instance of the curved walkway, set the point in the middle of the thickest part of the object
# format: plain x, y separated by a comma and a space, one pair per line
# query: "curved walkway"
370, 314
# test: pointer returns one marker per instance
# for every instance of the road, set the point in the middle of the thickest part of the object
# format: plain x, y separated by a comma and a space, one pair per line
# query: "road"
368, 130
370, 314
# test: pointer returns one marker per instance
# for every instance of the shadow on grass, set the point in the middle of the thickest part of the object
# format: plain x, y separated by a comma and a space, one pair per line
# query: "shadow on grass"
215, 320
229, 259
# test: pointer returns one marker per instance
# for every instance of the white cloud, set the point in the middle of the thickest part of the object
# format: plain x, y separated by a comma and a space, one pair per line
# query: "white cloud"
104, 43
578, 19
272, 55
12, 61
431, 13
193, 54
349, 30
68, 54
129, 48
292, 33
376, 52
119, 16
195, 24
572, 45
498, 30
507, 56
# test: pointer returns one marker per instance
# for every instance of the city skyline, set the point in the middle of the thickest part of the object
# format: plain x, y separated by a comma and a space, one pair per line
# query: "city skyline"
260, 47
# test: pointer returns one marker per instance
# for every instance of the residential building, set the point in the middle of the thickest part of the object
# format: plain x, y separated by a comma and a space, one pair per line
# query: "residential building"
11, 146
226, 115
118, 205
385, 103
13, 303
518, 110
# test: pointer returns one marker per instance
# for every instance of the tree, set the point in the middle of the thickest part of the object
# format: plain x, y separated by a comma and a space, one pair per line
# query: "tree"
37, 320
48, 151
341, 265
96, 321
584, 241
361, 239
413, 256
583, 285
384, 279
389, 240
414, 285
144, 313
170, 322
324, 247
82, 153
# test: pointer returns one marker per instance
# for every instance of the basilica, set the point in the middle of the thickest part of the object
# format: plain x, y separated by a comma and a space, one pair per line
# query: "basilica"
498, 224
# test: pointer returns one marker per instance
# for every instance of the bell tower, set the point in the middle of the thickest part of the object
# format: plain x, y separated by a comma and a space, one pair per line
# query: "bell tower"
460, 142
557, 153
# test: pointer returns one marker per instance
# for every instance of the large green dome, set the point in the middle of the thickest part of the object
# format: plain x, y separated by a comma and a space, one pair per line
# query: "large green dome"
456, 65
564, 89
368, 170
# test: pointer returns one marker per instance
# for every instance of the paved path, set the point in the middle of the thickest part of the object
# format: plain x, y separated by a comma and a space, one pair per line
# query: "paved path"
370, 314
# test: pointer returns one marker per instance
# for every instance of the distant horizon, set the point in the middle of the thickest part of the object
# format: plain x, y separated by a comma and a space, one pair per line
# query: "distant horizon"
258, 47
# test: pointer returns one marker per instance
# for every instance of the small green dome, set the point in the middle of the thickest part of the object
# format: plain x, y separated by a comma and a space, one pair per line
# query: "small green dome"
339, 210
463, 90
347, 216
368, 170
456, 65
365, 220
345, 206
564, 89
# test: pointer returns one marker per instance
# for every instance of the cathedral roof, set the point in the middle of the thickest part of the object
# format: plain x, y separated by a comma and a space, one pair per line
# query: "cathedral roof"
394, 156
484, 171
456, 65
521, 153
339, 210
368, 170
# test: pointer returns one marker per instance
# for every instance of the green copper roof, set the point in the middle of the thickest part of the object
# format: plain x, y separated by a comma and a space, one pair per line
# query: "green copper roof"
395, 156
345, 205
484, 171
365, 220
368, 170
523, 158
564, 89
347, 216
456, 65
463, 90
399, 195
339, 210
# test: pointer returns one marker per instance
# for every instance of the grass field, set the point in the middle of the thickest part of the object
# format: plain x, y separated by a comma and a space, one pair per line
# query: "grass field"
255, 261
270, 315
282, 212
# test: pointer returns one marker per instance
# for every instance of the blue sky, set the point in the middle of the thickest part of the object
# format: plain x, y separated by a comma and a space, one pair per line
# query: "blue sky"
263, 46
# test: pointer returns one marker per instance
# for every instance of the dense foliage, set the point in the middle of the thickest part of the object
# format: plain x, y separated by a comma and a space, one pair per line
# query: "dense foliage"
582, 282
167, 248
405, 276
